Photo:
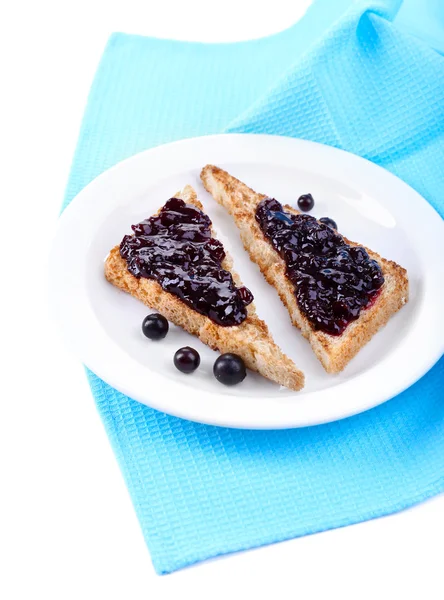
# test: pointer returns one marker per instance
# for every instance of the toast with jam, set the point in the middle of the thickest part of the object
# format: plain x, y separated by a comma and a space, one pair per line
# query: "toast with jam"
337, 292
174, 264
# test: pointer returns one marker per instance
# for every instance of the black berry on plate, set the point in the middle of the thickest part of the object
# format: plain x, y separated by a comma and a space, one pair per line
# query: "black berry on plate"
155, 327
329, 222
229, 369
306, 202
186, 359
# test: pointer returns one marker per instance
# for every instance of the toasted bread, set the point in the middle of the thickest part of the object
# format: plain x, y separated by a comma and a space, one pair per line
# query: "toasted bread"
334, 352
251, 339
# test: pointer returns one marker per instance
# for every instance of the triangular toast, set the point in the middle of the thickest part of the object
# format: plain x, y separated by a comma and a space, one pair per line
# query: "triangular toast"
251, 339
334, 352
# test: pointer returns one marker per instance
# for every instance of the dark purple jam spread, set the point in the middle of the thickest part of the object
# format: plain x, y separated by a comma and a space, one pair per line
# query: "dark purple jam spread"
176, 249
333, 280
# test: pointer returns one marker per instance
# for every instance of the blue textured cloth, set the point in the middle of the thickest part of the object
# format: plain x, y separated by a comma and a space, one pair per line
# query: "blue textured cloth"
358, 76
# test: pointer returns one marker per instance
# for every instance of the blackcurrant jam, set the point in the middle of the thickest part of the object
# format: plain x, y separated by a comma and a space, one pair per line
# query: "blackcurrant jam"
176, 249
333, 281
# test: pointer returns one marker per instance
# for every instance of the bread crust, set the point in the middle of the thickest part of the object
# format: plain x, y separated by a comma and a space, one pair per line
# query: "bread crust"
334, 352
251, 339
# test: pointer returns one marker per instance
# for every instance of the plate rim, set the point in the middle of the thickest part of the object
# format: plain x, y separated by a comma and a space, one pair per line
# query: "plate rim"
283, 420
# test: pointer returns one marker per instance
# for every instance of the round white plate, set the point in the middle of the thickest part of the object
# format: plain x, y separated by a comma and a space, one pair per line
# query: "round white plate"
371, 206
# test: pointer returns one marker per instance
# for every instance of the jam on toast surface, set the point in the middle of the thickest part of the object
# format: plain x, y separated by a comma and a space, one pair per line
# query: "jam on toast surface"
333, 281
176, 248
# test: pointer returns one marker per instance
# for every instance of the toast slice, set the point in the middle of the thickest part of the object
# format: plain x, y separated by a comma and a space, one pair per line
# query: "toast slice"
334, 352
251, 339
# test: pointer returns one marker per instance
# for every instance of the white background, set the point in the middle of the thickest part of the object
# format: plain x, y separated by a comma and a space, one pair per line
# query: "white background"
67, 527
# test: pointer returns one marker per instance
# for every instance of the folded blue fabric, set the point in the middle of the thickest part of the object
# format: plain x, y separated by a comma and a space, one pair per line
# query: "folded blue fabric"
358, 76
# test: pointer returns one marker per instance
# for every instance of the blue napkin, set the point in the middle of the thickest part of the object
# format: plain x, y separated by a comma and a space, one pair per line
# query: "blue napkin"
356, 75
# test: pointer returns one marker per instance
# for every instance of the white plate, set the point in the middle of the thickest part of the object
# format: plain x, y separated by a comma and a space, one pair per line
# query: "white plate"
103, 324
